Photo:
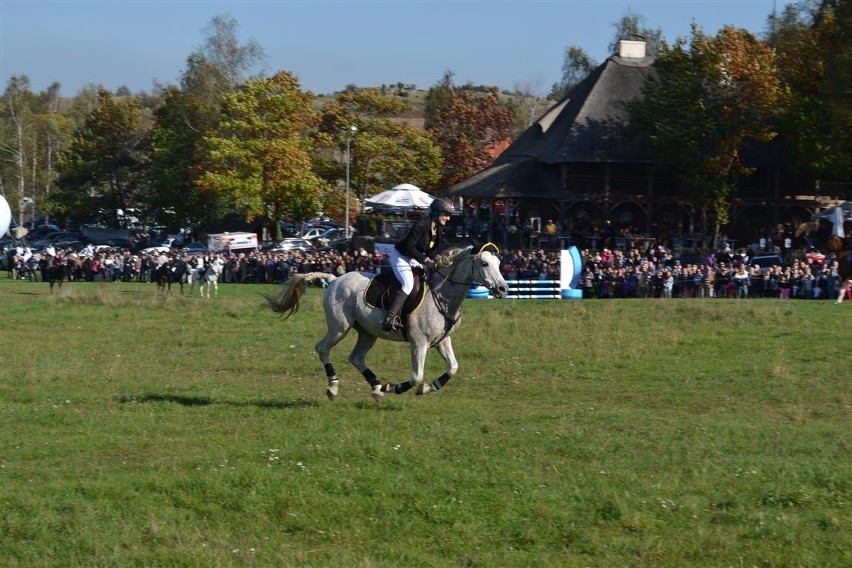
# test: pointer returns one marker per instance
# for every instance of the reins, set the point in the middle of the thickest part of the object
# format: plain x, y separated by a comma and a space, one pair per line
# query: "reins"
450, 320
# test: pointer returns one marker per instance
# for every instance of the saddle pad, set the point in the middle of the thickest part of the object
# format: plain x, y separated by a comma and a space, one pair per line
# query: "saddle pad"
382, 288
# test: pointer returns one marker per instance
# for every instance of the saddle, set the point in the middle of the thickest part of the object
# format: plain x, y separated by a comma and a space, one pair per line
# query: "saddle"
383, 288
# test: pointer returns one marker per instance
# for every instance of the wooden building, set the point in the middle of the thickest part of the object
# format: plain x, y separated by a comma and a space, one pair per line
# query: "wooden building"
577, 165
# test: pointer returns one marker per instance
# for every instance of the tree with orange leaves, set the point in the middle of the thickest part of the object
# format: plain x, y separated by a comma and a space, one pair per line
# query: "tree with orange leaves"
706, 100
465, 127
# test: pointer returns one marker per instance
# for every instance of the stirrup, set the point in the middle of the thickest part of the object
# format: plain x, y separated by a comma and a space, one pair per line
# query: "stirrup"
392, 323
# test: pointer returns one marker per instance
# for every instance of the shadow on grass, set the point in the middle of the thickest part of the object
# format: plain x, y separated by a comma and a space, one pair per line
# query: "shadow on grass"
205, 401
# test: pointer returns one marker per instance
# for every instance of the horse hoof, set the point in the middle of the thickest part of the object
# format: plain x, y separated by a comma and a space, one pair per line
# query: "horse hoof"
424, 388
331, 391
388, 387
377, 393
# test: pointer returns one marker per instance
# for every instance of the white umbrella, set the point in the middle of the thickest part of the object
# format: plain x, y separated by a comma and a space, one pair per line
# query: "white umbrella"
402, 195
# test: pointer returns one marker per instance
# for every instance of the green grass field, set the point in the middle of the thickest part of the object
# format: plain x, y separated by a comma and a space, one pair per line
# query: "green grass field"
138, 431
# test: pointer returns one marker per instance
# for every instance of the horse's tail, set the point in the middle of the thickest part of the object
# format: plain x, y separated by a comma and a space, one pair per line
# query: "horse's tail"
286, 300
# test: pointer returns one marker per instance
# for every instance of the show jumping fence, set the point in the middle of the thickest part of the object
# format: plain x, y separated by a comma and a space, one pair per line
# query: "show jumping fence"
565, 288
542, 289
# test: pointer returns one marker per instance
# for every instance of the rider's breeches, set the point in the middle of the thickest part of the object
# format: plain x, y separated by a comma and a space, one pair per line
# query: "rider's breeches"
402, 266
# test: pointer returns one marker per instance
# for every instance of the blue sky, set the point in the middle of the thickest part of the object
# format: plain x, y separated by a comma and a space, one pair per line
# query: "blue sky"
331, 44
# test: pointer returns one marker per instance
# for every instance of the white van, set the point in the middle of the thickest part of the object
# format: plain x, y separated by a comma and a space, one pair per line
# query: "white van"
230, 242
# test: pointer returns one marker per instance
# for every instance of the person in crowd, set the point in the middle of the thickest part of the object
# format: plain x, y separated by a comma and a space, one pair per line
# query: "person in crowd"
667, 278
741, 281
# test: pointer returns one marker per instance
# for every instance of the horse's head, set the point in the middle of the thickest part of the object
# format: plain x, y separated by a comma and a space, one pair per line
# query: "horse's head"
482, 267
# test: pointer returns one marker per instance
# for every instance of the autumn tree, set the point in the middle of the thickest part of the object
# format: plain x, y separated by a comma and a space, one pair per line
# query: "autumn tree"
704, 102
54, 131
632, 26
189, 113
222, 63
102, 170
814, 46
260, 155
178, 159
437, 97
464, 130
385, 151
576, 66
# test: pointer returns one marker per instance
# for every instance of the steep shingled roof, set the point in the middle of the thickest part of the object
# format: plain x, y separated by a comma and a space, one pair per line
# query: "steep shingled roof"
585, 126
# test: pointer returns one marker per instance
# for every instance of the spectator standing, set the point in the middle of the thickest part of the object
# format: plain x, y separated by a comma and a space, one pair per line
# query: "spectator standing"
741, 277
668, 283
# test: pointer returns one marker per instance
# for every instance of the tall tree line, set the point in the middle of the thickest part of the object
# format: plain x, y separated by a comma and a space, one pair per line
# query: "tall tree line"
228, 140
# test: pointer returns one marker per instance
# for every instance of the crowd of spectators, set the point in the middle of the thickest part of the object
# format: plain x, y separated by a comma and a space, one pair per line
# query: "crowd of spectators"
630, 273
726, 274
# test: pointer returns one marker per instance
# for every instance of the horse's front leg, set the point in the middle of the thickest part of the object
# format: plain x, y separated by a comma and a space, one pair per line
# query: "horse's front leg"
418, 364
445, 348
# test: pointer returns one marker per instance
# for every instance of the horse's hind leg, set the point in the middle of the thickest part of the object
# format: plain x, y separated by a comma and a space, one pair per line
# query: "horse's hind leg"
323, 349
445, 349
358, 358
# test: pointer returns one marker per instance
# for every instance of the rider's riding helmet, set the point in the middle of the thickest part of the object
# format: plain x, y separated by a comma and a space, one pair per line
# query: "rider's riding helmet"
440, 206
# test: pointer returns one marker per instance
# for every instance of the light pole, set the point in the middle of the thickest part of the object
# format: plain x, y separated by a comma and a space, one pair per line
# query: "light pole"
349, 133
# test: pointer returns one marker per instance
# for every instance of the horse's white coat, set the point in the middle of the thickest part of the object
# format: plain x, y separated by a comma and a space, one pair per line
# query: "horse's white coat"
207, 277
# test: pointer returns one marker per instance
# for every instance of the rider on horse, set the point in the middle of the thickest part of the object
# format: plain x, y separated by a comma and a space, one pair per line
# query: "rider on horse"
419, 247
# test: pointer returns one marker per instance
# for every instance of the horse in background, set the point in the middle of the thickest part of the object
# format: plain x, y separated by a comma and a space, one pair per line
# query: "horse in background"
843, 252
207, 276
53, 271
173, 271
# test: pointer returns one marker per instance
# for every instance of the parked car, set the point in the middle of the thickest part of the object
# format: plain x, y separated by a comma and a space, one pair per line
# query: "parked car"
289, 228
288, 245
332, 235
313, 233
159, 248
766, 262
195, 248
122, 243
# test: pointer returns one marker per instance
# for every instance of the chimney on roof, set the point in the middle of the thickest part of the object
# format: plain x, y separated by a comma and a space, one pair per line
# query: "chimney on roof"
631, 48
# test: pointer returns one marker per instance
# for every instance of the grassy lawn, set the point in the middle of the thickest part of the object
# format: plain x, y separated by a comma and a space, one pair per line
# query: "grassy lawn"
138, 430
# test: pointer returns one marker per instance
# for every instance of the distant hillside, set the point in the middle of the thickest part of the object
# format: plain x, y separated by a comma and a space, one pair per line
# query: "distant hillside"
416, 99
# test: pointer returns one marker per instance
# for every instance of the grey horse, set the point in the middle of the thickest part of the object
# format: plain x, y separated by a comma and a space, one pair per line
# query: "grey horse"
430, 325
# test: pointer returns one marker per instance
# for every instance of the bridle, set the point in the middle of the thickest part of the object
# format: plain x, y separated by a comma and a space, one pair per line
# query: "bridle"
476, 272
476, 275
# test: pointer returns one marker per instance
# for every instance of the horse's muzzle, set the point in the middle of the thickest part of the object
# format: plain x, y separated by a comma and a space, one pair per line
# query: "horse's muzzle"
499, 292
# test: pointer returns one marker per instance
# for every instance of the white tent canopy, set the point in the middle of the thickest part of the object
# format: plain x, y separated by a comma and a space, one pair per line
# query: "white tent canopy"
403, 195
837, 215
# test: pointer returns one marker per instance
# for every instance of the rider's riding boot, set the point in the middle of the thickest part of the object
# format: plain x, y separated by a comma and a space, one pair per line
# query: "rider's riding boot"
391, 321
